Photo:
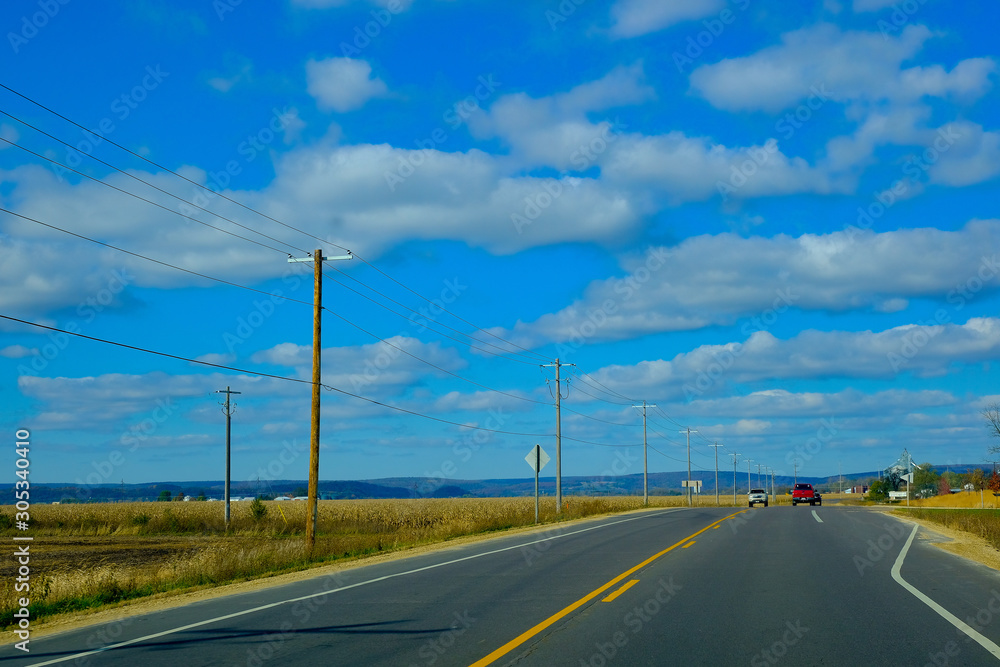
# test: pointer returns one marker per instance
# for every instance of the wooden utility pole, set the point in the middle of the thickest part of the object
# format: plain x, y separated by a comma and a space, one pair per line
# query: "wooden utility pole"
716, 446
645, 466
558, 437
312, 499
228, 409
689, 432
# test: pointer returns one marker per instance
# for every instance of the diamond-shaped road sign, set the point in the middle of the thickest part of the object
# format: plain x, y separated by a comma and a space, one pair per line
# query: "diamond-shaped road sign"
541, 457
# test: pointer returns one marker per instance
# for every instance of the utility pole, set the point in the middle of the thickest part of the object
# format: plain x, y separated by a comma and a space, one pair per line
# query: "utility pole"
228, 409
796, 471
716, 446
558, 436
758, 474
312, 505
645, 467
735, 457
749, 483
689, 432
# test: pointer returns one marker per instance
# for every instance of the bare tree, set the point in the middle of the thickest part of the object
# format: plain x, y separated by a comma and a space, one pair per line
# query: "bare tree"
992, 416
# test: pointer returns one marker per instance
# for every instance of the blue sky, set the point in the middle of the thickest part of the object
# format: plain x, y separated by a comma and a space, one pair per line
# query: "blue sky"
777, 222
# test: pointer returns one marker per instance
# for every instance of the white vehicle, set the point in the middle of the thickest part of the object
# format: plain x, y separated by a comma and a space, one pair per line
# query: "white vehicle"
757, 496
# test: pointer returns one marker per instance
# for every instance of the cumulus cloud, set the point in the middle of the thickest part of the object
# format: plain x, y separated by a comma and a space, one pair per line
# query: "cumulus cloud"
922, 350
640, 17
852, 66
716, 280
343, 84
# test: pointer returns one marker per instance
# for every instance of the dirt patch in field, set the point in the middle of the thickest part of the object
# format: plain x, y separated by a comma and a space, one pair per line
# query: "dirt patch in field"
59, 554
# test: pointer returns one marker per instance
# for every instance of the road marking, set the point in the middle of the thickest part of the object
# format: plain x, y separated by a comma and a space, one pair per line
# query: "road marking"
816, 516
688, 544
944, 613
244, 612
613, 596
528, 634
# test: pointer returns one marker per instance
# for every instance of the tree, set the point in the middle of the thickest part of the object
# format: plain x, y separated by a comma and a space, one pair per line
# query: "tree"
879, 491
164, 495
992, 416
993, 483
978, 479
925, 481
944, 488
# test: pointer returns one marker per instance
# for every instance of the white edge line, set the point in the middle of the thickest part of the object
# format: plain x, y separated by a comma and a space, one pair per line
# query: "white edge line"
944, 613
816, 516
337, 590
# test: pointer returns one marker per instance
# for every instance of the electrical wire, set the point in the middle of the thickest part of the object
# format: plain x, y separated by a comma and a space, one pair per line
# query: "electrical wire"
148, 201
240, 204
150, 259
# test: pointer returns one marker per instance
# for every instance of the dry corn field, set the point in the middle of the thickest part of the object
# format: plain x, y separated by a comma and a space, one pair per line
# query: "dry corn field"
88, 555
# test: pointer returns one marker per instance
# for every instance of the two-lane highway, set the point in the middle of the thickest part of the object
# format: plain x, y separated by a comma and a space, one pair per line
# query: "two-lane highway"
705, 586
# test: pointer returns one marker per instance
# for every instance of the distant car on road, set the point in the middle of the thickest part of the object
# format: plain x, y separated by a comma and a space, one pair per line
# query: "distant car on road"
757, 496
804, 493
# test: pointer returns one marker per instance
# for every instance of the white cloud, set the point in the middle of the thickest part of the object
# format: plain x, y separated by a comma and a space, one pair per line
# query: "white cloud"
640, 17
343, 84
395, 6
18, 352
780, 403
851, 66
923, 350
716, 280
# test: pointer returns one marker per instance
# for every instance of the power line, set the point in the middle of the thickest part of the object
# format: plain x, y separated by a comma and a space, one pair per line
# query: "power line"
248, 208
150, 259
489, 333
427, 326
148, 201
159, 166
402, 305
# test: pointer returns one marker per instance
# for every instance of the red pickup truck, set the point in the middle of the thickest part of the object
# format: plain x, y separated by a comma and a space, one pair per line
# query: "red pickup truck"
803, 493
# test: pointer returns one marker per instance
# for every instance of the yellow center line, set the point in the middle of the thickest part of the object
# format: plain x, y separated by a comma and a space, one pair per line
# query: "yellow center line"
688, 544
528, 634
613, 596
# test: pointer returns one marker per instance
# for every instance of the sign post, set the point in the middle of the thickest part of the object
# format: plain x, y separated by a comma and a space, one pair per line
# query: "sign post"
537, 458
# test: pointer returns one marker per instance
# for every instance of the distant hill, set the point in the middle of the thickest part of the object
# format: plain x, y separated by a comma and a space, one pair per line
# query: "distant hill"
660, 483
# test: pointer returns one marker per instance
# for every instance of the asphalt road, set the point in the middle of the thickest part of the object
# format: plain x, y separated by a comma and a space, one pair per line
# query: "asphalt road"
706, 586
